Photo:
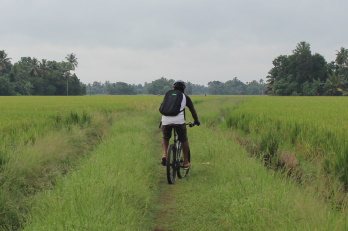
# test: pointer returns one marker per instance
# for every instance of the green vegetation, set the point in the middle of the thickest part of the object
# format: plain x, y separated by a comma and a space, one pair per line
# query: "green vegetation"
309, 130
303, 73
29, 76
43, 138
227, 190
114, 189
162, 85
92, 163
299, 74
236, 87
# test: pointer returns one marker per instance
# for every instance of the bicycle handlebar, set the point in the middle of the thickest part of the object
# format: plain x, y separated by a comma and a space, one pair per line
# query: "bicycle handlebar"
190, 124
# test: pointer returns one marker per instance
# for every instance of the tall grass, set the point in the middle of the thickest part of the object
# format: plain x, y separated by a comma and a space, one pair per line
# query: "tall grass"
118, 184
227, 190
34, 167
114, 189
42, 138
311, 127
24, 119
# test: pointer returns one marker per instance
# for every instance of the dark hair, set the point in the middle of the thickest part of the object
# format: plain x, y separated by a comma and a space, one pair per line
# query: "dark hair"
179, 85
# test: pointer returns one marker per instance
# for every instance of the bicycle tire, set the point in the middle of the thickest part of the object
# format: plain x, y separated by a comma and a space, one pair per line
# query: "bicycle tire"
171, 164
182, 172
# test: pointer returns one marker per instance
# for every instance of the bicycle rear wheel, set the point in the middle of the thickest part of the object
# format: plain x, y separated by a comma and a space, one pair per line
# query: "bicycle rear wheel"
171, 164
182, 172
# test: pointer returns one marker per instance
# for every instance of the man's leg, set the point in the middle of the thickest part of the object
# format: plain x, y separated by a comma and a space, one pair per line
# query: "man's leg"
182, 133
185, 149
167, 132
165, 143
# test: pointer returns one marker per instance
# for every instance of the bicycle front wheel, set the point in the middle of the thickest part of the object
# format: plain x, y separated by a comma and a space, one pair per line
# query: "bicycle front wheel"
171, 164
182, 172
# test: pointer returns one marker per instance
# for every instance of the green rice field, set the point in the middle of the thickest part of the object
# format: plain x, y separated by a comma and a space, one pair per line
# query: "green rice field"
313, 128
93, 163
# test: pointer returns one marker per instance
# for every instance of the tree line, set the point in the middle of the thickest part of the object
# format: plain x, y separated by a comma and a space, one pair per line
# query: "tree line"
301, 73
307, 74
29, 76
162, 85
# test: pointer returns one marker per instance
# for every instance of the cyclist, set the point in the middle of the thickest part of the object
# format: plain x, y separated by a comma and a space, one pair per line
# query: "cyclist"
179, 121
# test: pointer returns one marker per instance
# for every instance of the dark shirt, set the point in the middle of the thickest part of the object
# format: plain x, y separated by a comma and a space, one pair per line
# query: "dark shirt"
189, 104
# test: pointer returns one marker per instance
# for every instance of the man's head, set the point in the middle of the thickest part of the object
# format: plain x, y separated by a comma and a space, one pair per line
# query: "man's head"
179, 85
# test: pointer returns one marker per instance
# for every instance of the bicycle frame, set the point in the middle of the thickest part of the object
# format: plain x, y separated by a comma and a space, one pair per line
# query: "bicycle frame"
174, 160
177, 143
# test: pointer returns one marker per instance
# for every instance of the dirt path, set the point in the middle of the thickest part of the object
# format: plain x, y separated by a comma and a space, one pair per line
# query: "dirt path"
167, 196
166, 202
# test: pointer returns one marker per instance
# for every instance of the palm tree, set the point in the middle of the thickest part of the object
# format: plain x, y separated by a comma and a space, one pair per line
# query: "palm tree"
342, 57
4, 60
44, 69
302, 48
34, 67
334, 84
72, 59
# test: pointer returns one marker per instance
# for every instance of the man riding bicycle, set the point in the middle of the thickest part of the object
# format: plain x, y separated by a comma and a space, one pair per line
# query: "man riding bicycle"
177, 120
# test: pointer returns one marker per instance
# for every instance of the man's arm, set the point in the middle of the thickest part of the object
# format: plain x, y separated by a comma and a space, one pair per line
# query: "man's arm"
189, 104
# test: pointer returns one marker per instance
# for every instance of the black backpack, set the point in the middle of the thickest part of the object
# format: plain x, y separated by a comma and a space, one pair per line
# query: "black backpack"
171, 103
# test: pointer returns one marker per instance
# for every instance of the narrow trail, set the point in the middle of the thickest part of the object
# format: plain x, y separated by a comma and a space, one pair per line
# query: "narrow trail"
167, 195
165, 202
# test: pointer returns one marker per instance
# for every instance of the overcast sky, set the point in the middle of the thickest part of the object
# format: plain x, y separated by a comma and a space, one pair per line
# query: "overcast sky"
137, 41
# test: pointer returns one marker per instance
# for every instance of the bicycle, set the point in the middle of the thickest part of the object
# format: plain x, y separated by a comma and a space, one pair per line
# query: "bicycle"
175, 159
